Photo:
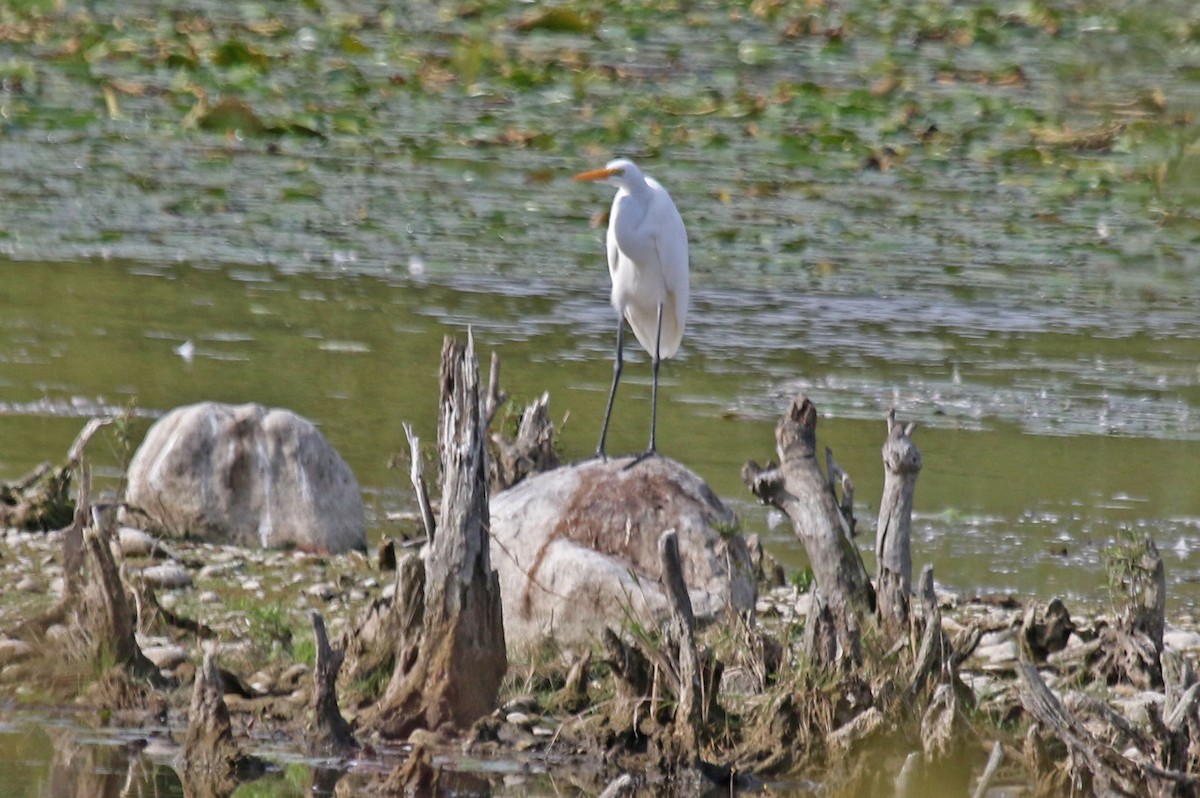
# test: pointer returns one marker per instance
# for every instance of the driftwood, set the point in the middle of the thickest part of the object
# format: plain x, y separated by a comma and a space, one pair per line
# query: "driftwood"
893, 583
1092, 767
622, 786
327, 731
1096, 767
842, 586
212, 763
995, 759
460, 659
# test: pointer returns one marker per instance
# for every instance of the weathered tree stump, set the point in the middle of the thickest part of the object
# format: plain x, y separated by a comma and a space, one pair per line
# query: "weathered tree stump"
211, 763
842, 586
1045, 629
934, 652
72, 546
531, 451
893, 583
327, 729
690, 706
103, 616
388, 635
456, 671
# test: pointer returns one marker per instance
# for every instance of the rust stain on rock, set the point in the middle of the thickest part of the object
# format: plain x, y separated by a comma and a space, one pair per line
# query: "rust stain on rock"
621, 514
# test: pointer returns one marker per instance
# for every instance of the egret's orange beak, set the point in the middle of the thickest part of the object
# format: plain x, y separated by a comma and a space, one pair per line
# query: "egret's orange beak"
598, 174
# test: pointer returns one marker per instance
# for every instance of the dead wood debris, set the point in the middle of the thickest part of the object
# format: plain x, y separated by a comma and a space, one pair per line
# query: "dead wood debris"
530, 450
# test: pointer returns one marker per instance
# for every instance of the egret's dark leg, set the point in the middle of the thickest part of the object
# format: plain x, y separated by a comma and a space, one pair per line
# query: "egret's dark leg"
612, 394
651, 451
654, 383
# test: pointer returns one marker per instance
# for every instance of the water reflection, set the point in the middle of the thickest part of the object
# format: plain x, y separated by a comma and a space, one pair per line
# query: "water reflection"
53, 758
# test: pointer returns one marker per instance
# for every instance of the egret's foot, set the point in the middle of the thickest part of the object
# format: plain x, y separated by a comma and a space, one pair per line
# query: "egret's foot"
643, 456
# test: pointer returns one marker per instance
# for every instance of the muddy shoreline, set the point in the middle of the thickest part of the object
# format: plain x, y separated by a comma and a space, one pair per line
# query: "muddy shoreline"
253, 603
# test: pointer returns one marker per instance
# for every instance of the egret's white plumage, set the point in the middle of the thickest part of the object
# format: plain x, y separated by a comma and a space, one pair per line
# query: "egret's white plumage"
648, 263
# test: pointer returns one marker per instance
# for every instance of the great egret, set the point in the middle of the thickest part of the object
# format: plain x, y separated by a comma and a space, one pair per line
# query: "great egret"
648, 263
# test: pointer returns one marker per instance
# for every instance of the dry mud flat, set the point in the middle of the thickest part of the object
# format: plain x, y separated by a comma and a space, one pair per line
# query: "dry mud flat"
859, 683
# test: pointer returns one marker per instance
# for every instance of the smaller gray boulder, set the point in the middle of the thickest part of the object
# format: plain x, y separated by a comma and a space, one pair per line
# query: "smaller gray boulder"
576, 549
248, 475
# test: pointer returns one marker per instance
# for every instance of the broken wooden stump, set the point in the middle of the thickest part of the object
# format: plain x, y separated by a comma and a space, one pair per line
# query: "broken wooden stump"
327, 730
893, 582
104, 616
387, 637
689, 711
460, 661
670, 684
573, 697
1091, 768
531, 450
934, 653
797, 487
212, 763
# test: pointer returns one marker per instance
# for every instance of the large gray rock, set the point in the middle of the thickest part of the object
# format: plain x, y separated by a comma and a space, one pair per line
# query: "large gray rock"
577, 549
245, 474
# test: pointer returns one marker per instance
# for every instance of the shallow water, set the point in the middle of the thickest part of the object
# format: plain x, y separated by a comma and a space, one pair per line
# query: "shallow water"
59, 756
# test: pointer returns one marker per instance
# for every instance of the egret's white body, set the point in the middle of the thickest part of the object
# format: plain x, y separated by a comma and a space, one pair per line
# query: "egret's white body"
648, 263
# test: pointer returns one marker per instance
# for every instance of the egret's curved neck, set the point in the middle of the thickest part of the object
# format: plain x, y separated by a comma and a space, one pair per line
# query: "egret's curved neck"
636, 186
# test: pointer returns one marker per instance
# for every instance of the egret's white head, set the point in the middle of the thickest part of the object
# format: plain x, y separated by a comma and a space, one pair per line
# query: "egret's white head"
617, 172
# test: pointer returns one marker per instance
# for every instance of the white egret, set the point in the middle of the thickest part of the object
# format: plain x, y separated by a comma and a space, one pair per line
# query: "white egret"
648, 264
